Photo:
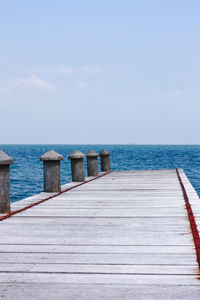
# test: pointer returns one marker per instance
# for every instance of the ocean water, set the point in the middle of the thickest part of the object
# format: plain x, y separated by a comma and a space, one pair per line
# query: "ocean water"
27, 172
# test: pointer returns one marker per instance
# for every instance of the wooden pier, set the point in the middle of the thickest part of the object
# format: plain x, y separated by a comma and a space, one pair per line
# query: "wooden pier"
125, 235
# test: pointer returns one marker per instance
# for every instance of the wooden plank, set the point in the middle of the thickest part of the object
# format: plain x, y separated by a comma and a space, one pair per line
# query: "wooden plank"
60, 291
97, 269
103, 238
140, 222
101, 279
122, 212
61, 248
101, 258
97, 227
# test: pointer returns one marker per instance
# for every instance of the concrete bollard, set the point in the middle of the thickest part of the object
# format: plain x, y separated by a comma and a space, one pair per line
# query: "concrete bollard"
51, 161
105, 160
77, 166
5, 161
92, 163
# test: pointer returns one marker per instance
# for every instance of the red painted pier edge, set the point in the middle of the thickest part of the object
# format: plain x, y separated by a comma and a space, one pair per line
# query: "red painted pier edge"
192, 220
48, 198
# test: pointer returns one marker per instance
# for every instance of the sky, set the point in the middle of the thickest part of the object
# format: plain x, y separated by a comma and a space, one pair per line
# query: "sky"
99, 72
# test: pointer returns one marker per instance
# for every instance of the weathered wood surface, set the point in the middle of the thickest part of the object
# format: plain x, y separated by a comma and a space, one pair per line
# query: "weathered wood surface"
122, 236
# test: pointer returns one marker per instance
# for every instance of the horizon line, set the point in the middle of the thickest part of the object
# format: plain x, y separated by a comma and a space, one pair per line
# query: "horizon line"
117, 144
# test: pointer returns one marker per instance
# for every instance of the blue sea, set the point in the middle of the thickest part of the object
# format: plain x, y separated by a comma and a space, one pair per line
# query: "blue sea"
27, 172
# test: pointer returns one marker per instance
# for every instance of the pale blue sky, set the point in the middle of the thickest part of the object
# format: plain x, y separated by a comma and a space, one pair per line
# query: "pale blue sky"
100, 71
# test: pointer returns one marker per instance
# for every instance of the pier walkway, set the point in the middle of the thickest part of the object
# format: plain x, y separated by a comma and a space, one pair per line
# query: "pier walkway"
125, 235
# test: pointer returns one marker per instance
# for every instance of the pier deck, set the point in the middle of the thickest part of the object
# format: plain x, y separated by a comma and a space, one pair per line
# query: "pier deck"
125, 235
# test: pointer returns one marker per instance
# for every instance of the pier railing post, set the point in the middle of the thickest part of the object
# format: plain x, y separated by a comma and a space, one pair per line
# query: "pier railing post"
92, 163
105, 160
5, 161
77, 166
51, 161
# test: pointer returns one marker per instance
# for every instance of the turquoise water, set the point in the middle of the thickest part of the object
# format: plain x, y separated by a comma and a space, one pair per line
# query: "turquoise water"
27, 172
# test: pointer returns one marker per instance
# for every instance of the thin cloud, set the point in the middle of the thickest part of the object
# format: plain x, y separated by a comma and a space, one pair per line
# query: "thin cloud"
156, 93
91, 69
34, 82
176, 92
62, 69
68, 70
81, 85
4, 59
30, 82
179, 92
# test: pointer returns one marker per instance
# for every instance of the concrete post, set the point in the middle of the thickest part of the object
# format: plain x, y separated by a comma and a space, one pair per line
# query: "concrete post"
51, 161
105, 160
5, 161
92, 163
77, 166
